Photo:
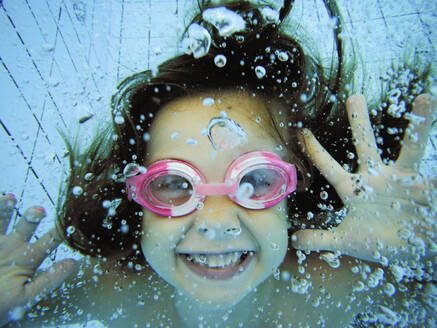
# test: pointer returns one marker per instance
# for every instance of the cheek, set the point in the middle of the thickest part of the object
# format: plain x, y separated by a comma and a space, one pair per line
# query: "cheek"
157, 244
271, 231
160, 234
156, 234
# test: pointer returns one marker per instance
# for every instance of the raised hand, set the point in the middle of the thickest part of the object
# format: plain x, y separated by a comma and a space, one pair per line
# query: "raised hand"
20, 288
389, 207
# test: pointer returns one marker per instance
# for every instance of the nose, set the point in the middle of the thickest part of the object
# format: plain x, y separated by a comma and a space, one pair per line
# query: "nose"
218, 219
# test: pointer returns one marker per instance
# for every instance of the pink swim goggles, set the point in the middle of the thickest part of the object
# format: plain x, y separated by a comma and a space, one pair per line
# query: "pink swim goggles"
170, 187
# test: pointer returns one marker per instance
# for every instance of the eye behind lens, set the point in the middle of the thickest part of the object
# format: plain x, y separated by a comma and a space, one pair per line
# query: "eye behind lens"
266, 182
169, 189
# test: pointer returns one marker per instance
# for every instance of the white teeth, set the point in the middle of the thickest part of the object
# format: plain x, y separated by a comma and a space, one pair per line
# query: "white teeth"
216, 260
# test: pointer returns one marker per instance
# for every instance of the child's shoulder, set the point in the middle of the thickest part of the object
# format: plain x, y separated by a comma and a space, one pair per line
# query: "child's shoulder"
316, 287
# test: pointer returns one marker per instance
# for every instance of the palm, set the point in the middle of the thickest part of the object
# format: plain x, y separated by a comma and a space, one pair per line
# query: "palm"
389, 212
20, 287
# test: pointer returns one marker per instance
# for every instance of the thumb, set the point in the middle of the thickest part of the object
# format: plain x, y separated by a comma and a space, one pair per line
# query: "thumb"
317, 240
49, 280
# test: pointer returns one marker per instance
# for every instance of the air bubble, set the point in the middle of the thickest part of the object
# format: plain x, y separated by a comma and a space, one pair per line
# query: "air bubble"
131, 169
192, 141
394, 95
324, 195
301, 256
70, 230
207, 102
239, 39
301, 269
285, 275
245, 191
260, 72
359, 286
118, 119
274, 246
387, 317
396, 110
174, 135
106, 204
107, 224
200, 205
282, 56
333, 98
332, 259
269, 14
124, 228
220, 61
389, 289
300, 285
225, 20
88, 176
146, 137
276, 274
197, 41
77, 190
17, 313
415, 119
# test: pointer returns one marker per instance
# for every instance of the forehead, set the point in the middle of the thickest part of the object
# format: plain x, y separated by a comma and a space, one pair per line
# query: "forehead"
179, 129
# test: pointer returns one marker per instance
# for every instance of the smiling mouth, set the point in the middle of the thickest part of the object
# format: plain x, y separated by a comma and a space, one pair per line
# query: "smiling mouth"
218, 266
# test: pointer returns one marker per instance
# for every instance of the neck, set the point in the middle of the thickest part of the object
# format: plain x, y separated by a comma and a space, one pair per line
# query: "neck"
193, 314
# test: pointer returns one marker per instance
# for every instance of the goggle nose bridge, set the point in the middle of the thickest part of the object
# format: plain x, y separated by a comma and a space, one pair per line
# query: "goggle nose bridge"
215, 189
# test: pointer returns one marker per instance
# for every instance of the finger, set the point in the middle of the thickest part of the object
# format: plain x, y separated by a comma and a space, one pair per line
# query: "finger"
7, 204
416, 135
324, 162
316, 240
29, 221
362, 132
36, 252
49, 280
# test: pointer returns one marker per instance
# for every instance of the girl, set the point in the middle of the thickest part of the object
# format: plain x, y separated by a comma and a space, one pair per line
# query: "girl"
204, 177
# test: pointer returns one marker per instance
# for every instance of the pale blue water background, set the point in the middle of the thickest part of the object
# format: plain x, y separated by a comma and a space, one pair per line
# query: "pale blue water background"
60, 61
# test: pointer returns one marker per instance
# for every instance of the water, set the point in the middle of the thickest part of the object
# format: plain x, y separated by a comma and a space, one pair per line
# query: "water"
61, 57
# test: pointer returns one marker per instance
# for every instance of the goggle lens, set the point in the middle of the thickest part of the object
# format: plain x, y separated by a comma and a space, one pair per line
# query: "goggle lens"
265, 183
169, 190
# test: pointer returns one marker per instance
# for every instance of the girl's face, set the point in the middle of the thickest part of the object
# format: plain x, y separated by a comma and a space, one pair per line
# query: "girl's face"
219, 253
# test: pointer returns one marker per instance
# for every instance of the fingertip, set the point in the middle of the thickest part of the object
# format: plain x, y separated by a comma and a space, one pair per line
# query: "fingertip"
35, 214
70, 265
301, 240
302, 134
424, 103
8, 201
355, 99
